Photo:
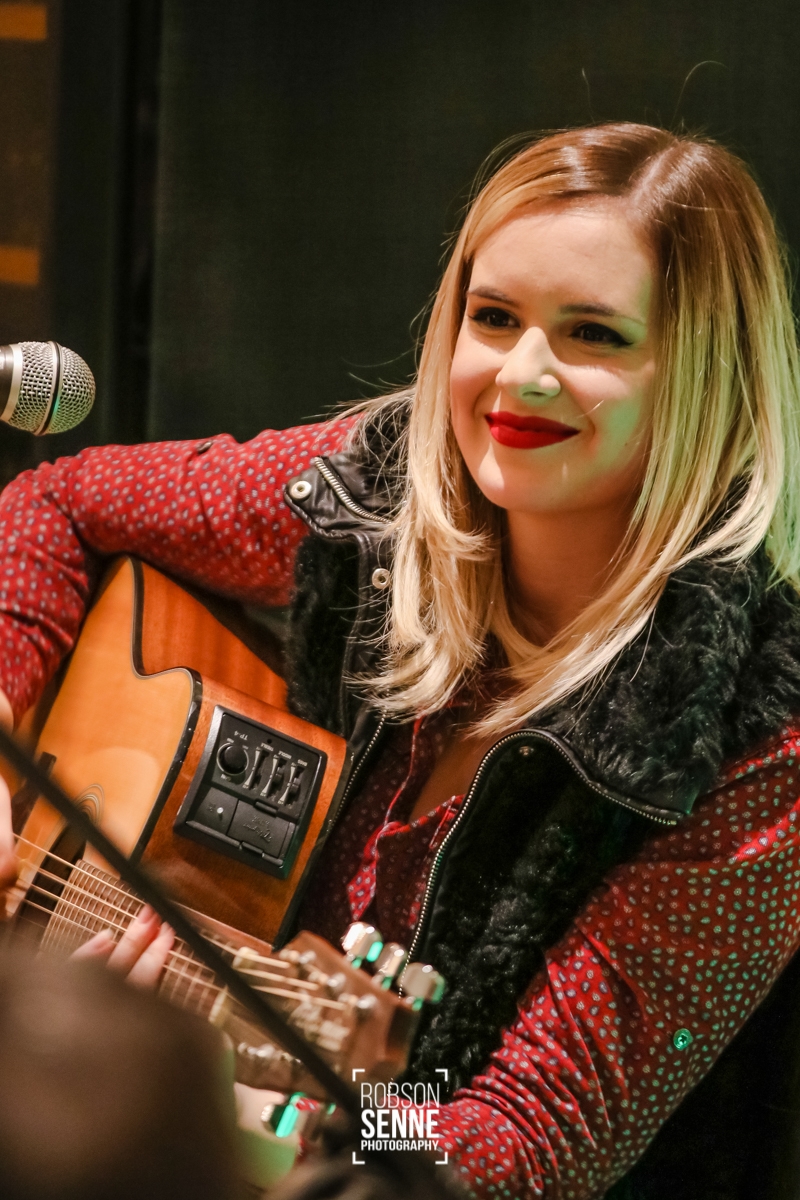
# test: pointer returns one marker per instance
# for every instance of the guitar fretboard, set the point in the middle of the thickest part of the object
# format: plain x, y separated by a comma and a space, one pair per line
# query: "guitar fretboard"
93, 901
64, 904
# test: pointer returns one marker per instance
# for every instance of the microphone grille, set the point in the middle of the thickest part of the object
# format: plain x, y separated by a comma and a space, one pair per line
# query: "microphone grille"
36, 385
76, 389
76, 394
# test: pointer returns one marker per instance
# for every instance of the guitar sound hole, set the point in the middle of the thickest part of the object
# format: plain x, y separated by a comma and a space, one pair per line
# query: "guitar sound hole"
45, 891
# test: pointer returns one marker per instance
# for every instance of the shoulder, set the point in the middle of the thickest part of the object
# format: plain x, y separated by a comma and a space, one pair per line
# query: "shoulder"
356, 491
715, 674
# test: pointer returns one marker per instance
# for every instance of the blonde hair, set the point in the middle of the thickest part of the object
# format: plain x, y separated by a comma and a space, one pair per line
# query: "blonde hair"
725, 438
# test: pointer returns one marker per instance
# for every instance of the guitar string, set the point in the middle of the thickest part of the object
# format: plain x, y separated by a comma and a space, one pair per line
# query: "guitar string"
74, 889
122, 892
231, 947
302, 988
64, 931
107, 923
96, 910
269, 991
131, 898
86, 892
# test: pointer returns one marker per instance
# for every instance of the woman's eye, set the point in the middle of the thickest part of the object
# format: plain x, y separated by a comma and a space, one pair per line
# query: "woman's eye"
598, 335
495, 318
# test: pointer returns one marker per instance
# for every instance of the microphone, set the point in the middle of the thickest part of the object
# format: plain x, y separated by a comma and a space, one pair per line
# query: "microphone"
44, 388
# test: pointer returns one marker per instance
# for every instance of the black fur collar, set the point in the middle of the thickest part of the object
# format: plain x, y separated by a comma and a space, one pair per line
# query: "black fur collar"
716, 673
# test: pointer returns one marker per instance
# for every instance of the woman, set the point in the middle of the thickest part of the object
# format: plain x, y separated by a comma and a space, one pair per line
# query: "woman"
552, 599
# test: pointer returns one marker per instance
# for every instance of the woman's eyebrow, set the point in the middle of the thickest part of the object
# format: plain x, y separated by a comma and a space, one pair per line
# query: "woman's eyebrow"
488, 293
597, 310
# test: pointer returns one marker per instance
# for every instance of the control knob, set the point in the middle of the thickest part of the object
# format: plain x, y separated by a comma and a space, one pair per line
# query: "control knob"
232, 758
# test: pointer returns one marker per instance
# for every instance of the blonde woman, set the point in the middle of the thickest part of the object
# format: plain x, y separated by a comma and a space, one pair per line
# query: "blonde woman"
551, 595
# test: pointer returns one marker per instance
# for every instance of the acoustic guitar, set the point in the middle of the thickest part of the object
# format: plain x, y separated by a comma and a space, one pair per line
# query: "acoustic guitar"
173, 735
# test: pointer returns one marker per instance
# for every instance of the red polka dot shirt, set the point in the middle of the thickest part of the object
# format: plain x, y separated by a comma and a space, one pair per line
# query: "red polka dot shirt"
660, 969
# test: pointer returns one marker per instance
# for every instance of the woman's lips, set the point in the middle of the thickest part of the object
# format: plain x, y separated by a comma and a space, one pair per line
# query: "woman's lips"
527, 433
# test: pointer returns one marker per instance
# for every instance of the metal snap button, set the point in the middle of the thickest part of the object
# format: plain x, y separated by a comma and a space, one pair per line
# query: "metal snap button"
381, 578
682, 1039
201, 449
299, 489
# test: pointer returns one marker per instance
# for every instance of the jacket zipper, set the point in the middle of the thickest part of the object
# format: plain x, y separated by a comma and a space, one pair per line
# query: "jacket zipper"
437, 862
521, 735
336, 486
365, 753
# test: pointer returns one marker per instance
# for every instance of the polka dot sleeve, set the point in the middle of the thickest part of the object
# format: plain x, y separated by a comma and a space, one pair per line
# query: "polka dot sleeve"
211, 512
635, 1004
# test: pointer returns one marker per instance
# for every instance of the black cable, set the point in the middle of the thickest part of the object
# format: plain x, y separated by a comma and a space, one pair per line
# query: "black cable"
337, 1088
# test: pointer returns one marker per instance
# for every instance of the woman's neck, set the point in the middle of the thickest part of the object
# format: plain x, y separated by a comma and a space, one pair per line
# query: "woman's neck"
558, 563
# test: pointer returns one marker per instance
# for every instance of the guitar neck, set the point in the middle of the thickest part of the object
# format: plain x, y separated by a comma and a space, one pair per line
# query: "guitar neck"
351, 1020
93, 901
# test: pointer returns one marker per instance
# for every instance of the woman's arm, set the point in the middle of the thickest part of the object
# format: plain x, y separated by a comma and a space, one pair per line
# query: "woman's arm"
657, 975
211, 512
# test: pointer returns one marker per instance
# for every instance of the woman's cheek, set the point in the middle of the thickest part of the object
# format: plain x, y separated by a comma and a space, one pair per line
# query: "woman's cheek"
618, 425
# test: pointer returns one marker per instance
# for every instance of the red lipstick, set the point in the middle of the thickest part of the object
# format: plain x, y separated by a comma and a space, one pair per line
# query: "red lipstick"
527, 433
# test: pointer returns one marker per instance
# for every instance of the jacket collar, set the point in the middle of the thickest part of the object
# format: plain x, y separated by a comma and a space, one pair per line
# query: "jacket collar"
337, 497
715, 673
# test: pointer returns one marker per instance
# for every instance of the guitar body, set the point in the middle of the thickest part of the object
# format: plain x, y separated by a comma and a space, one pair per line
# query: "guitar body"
129, 736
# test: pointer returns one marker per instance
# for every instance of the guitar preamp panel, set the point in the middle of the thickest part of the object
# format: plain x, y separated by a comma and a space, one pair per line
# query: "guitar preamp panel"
253, 794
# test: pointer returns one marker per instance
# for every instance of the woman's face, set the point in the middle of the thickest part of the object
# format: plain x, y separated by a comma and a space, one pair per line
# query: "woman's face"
552, 376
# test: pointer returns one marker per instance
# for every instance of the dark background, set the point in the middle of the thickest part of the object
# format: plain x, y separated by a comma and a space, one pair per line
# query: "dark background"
241, 209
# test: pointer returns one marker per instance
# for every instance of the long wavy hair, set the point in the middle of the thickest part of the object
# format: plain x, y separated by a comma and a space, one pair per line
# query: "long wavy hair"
723, 471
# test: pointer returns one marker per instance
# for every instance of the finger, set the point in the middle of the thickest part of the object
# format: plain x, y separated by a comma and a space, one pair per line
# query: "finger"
147, 971
9, 866
100, 946
142, 930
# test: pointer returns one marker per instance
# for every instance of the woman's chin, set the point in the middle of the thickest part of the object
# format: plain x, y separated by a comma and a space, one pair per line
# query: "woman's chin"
526, 489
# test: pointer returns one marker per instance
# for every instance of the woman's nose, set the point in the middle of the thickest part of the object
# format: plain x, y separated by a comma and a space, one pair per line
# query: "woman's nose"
529, 370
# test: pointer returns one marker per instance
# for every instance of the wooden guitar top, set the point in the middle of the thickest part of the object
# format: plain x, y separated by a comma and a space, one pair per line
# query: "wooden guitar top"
128, 729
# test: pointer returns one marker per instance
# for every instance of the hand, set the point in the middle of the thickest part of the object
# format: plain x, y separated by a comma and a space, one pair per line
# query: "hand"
9, 866
141, 952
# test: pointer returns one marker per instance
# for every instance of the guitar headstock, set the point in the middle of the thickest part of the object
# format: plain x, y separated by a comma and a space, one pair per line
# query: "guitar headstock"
350, 1015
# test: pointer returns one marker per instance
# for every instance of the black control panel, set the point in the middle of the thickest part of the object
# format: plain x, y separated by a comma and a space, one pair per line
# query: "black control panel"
254, 794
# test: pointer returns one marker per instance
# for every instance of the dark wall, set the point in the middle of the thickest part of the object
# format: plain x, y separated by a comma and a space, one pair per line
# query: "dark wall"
311, 165
29, 70
250, 200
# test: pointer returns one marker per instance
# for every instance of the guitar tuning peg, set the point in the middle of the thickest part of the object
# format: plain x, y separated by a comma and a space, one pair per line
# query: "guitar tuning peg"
423, 984
306, 964
302, 960
361, 943
334, 984
365, 1005
360, 1006
389, 963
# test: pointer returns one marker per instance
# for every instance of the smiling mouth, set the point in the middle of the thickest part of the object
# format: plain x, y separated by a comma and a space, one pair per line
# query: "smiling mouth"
527, 433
